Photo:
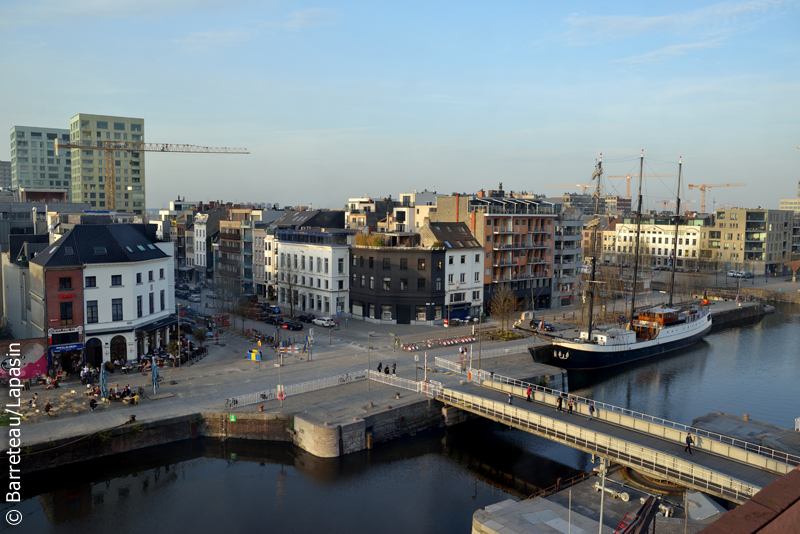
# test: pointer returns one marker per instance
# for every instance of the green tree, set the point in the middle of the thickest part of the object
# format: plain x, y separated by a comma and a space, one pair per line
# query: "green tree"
199, 336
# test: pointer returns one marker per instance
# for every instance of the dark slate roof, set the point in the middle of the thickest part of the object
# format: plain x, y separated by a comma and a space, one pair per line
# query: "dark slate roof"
112, 243
454, 234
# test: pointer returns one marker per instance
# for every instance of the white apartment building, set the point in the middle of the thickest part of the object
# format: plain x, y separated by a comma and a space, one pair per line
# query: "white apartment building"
313, 270
658, 241
35, 166
259, 259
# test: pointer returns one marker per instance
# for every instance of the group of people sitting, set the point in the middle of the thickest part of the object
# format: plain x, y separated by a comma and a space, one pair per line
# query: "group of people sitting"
118, 394
89, 375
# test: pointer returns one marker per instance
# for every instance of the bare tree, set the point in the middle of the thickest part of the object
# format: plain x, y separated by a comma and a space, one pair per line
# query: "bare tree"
287, 283
503, 305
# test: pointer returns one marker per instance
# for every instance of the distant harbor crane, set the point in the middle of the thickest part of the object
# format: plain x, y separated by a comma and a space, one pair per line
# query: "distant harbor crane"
705, 187
583, 187
628, 180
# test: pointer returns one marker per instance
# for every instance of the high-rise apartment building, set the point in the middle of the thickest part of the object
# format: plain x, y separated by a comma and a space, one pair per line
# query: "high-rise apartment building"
89, 176
35, 166
5, 174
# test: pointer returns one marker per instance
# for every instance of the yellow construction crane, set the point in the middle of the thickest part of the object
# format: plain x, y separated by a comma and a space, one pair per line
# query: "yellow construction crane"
113, 148
583, 187
629, 176
705, 187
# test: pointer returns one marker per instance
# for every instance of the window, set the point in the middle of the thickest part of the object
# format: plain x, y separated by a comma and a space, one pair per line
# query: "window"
420, 264
403, 264
91, 311
139, 306
478, 276
91, 281
116, 309
326, 266
372, 282
477, 258
420, 284
150, 276
161, 274
438, 284
463, 277
463, 258
450, 278
387, 284
355, 260
65, 283
101, 125
119, 125
439, 265
450, 260
404, 284
138, 278
340, 265
387, 264
152, 303
355, 279
364, 279
66, 313
162, 300
341, 284
476, 295
371, 263
116, 280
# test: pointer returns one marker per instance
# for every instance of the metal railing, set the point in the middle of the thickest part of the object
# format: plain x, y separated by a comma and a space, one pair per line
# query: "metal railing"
394, 380
766, 452
621, 450
294, 389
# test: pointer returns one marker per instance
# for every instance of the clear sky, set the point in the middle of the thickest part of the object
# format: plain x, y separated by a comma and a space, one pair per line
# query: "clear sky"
344, 99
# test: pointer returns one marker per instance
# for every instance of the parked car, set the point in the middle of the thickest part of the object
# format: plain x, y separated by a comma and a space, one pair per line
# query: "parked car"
187, 327
181, 294
292, 325
211, 295
546, 327
194, 298
273, 309
195, 290
307, 317
183, 287
273, 319
732, 273
750, 275
324, 321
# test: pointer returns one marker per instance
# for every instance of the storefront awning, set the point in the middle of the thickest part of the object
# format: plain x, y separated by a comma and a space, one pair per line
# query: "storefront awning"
67, 348
186, 268
160, 323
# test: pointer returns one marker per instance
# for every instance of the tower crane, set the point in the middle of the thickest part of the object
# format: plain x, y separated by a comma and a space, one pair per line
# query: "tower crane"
112, 149
583, 187
670, 204
629, 176
705, 187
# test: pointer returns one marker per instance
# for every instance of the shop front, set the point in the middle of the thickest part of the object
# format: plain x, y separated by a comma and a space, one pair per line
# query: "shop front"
67, 357
155, 334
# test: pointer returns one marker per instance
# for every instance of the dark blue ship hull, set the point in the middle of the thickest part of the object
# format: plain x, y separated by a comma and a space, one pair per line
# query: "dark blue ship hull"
585, 359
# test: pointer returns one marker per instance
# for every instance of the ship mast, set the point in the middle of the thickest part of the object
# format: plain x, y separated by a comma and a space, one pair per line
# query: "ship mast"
636, 250
675, 244
590, 290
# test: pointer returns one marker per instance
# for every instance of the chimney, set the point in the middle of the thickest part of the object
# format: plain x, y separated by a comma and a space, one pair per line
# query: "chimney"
481, 193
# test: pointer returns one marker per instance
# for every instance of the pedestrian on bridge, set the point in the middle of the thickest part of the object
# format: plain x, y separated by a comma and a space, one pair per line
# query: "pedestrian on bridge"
510, 399
528, 393
380, 366
386, 370
591, 410
689, 442
559, 401
569, 406
394, 368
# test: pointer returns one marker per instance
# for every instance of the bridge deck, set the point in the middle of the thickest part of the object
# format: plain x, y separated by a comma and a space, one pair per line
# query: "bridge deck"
744, 473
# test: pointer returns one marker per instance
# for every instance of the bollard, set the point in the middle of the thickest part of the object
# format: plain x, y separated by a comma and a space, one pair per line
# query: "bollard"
747, 417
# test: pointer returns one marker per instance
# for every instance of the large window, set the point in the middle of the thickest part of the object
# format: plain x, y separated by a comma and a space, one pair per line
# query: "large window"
420, 284
116, 309
139, 306
387, 263
340, 264
152, 303
150, 276
138, 278
162, 300
420, 264
116, 280
65, 283
91, 281
66, 313
403, 264
387, 284
91, 311
404, 284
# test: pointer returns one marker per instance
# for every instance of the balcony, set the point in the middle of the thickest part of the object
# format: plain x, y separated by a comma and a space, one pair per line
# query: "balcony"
500, 230
520, 245
227, 261
230, 274
516, 277
230, 250
230, 236
504, 263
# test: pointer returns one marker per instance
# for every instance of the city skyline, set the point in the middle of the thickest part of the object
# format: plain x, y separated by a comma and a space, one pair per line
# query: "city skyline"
344, 100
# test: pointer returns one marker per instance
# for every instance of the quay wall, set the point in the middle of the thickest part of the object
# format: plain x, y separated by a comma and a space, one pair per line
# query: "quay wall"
746, 312
315, 437
752, 293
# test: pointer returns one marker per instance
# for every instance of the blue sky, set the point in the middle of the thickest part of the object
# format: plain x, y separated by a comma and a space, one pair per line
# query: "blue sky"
363, 98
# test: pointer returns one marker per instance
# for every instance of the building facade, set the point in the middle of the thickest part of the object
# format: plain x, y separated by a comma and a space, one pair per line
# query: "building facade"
5, 175
398, 285
657, 242
313, 270
89, 178
35, 166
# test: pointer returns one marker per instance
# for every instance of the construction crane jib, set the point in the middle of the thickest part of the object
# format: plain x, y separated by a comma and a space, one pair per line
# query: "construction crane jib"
628, 180
705, 187
112, 149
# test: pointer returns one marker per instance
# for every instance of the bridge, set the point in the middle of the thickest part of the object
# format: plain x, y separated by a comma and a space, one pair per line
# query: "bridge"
721, 465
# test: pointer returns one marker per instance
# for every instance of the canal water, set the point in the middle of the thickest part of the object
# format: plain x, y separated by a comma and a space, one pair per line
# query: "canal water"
432, 482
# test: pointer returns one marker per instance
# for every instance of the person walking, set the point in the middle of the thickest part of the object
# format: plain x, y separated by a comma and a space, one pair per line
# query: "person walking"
689, 442
510, 399
380, 366
591, 410
528, 393
394, 368
386, 370
559, 401
569, 407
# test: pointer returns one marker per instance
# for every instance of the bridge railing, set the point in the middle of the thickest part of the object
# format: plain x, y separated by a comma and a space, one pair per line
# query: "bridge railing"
629, 454
294, 389
766, 452
394, 380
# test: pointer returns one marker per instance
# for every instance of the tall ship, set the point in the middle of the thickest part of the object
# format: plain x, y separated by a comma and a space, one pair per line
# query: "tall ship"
647, 332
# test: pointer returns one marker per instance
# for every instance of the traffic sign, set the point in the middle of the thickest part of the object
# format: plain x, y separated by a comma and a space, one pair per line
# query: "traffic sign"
416, 357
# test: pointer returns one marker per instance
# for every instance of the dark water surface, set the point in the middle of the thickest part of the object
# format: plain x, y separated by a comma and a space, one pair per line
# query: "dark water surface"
432, 482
